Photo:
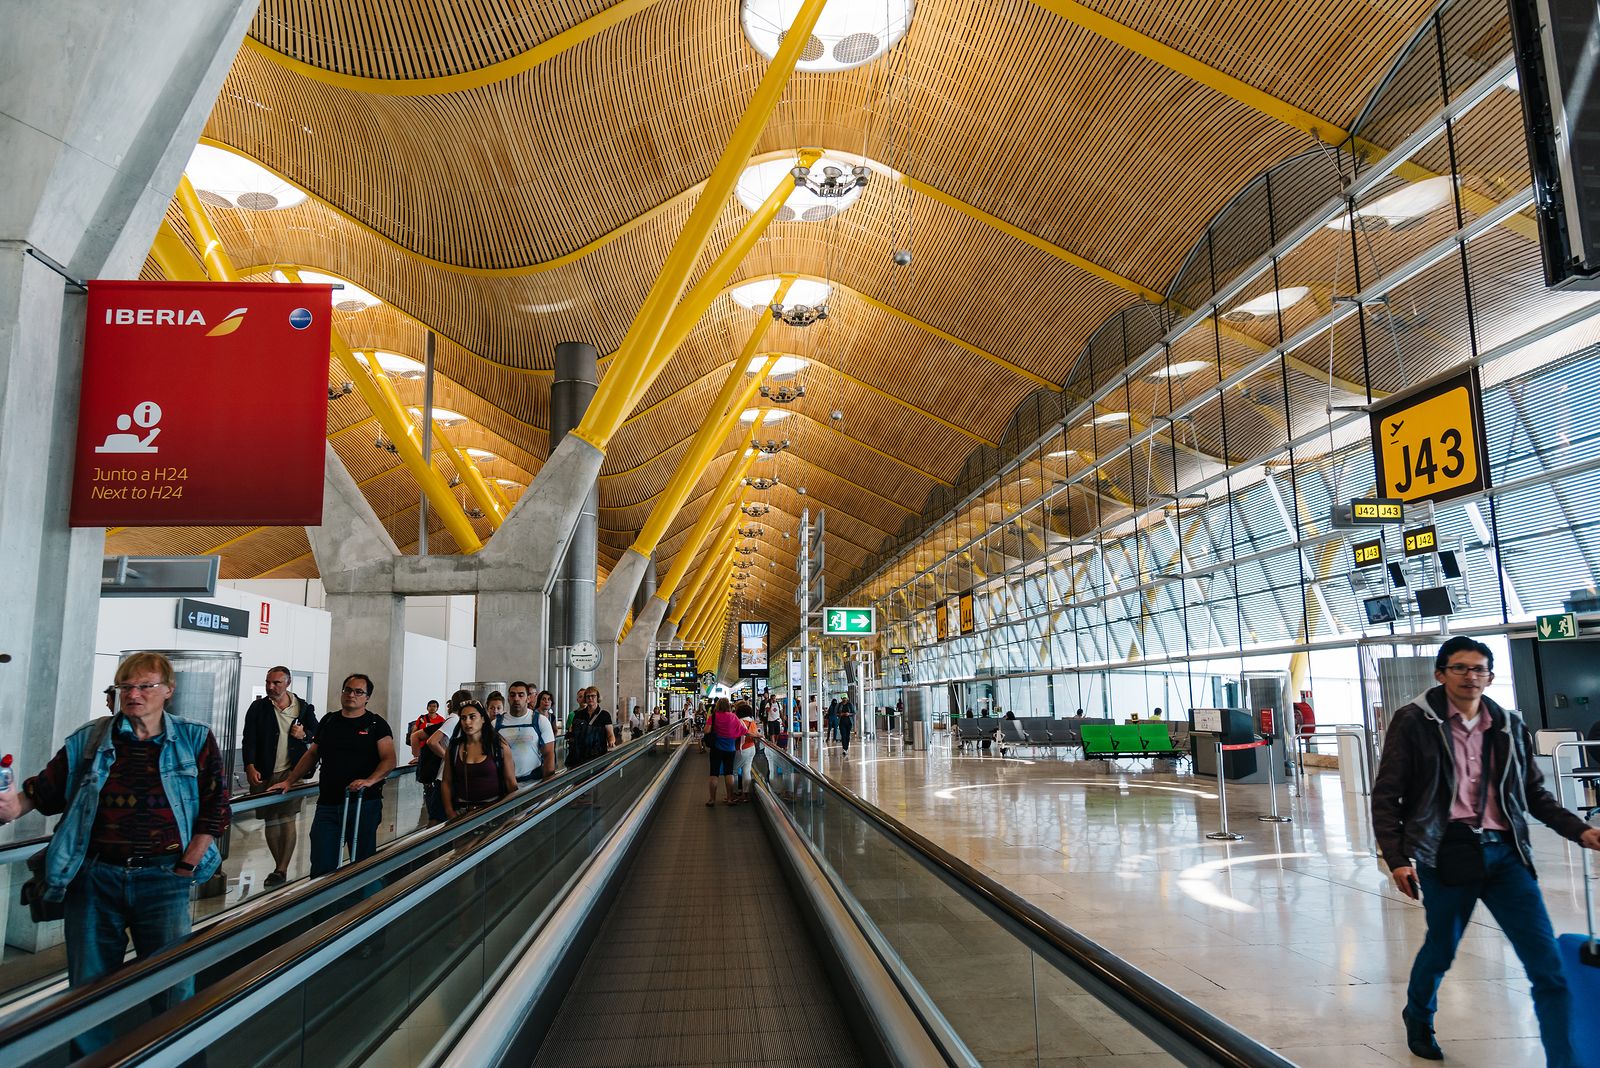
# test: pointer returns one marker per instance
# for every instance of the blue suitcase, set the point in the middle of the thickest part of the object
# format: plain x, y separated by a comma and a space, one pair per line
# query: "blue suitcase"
1580, 963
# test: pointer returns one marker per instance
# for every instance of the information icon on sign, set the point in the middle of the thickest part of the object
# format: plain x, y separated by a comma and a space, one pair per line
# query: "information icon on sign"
146, 414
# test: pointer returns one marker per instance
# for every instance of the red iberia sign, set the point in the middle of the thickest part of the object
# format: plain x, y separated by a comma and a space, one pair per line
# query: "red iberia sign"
203, 404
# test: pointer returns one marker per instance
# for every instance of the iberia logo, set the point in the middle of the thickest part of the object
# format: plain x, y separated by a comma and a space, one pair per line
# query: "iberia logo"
234, 320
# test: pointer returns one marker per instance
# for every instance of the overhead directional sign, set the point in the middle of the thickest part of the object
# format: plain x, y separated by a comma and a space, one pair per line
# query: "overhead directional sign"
1430, 445
212, 618
1368, 553
1376, 511
1421, 541
1558, 626
849, 621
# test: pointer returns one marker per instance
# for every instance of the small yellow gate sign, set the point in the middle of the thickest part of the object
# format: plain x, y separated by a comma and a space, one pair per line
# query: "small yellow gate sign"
1429, 445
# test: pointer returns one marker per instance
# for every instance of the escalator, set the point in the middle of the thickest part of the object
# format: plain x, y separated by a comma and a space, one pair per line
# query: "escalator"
609, 917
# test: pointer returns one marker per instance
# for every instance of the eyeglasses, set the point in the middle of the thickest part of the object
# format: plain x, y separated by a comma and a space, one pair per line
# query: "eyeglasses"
1470, 669
354, 692
142, 687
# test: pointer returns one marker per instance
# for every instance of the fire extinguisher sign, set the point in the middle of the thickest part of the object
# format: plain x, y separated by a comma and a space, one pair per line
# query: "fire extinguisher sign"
264, 617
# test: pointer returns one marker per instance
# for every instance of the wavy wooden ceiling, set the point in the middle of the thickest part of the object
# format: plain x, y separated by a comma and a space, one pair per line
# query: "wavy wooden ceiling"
537, 206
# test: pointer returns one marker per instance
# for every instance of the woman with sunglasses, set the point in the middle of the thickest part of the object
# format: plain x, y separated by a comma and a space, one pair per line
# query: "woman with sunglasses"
478, 768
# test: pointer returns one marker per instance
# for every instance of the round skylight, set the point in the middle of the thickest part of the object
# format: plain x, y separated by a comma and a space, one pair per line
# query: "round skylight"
1405, 205
506, 483
1062, 454
1110, 417
481, 455
774, 415
803, 203
803, 291
351, 298
783, 368
1180, 369
848, 34
1268, 303
393, 363
442, 416
228, 180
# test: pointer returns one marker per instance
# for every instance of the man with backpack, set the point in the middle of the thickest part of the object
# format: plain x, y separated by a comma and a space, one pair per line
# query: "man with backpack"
533, 740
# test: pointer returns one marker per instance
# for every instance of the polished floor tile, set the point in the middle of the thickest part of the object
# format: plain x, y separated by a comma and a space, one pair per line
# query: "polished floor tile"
1293, 934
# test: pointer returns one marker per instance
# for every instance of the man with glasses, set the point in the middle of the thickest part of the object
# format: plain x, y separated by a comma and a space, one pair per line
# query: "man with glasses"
142, 804
277, 730
1450, 810
356, 748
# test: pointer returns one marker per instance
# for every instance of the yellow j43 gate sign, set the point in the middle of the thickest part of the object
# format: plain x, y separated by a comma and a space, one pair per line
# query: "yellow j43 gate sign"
1429, 444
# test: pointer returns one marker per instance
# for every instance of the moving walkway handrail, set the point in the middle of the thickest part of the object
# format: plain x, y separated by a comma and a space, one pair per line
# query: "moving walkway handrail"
333, 936
23, 848
137, 981
1073, 952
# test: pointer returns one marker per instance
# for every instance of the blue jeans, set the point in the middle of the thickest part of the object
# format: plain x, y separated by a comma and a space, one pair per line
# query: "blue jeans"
106, 904
326, 844
1512, 895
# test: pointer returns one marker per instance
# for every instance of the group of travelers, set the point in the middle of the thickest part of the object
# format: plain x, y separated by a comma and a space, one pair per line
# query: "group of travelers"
144, 796
731, 734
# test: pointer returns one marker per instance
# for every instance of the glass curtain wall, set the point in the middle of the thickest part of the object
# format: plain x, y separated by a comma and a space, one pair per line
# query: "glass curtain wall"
1162, 524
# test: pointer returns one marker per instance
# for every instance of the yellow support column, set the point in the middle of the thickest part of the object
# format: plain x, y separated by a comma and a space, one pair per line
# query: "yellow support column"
174, 257
718, 559
389, 415
737, 468
719, 421
610, 406
477, 485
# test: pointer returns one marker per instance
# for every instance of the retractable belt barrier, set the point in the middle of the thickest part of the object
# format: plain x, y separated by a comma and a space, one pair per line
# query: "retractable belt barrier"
1223, 834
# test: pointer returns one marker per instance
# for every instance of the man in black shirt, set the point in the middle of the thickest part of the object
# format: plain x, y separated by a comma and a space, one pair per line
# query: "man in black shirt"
356, 748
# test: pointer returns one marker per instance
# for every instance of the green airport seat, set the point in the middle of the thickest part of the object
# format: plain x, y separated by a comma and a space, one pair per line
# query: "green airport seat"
1157, 739
1125, 738
1096, 739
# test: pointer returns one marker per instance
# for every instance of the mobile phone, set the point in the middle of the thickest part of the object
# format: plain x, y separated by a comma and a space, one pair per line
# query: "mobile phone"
1416, 887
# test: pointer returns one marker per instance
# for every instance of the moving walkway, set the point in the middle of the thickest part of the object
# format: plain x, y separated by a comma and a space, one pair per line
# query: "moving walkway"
610, 917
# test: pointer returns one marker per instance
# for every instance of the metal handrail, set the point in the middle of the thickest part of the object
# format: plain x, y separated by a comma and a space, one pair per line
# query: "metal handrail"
1074, 953
333, 937
23, 848
1561, 777
134, 983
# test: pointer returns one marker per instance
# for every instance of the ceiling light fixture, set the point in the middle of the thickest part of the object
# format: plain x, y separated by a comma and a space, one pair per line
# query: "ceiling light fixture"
821, 191
770, 447
226, 179
760, 294
442, 416
394, 364
761, 484
1401, 208
1180, 369
756, 509
784, 394
347, 297
847, 34
1266, 304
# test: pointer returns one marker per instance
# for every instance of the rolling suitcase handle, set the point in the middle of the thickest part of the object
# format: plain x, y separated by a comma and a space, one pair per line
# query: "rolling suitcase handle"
348, 844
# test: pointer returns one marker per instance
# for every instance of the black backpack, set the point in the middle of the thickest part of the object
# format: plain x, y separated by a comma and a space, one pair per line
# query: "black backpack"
429, 762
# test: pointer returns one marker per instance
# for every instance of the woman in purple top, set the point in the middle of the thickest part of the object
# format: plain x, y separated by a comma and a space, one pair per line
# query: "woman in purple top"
478, 769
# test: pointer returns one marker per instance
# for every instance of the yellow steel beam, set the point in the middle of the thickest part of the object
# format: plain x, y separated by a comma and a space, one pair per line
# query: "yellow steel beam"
612, 402
716, 566
1196, 71
174, 257
385, 406
377, 393
467, 468
474, 79
720, 418
702, 527
698, 620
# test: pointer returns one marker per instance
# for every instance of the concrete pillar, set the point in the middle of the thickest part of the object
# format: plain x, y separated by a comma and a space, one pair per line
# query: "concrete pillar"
572, 598
100, 106
355, 556
634, 652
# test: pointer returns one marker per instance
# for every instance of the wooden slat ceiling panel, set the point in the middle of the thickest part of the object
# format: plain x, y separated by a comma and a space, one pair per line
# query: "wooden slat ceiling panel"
412, 39
1322, 67
1086, 107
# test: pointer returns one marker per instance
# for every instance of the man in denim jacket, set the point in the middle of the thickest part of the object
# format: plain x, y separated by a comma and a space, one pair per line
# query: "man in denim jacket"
142, 833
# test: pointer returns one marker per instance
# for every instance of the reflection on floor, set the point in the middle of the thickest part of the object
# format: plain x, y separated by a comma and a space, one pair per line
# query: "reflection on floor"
1292, 935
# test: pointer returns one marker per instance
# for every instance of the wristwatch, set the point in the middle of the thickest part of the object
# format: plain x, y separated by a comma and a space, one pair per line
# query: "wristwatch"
183, 868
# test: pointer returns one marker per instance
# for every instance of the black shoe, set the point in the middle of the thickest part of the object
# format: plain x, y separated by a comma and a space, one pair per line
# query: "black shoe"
1419, 1039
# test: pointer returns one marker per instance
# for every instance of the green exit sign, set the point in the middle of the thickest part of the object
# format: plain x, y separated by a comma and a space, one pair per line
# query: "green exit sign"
1557, 626
849, 621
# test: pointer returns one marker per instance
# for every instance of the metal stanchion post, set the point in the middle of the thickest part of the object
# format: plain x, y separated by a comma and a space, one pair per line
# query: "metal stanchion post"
1272, 789
1223, 835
